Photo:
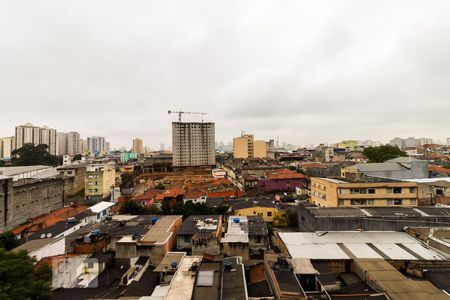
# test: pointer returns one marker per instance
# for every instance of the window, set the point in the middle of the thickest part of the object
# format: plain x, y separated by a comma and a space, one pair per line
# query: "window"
90, 264
397, 190
371, 191
439, 191
358, 191
340, 202
413, 201
412, 190
269, 213
340, 191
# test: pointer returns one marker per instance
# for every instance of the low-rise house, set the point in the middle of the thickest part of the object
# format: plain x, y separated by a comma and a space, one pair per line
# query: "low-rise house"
246, 237
196, 195
147, 199
328, 192
155, 243
283, 180
42, 248
263, 207
169, 197
200, 234
438, 171
433, 190
102, 210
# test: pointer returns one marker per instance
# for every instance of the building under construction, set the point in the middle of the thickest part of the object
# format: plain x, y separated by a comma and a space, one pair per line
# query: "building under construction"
193, 144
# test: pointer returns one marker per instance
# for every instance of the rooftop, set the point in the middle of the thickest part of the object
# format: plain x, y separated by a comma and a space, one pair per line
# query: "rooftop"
396, 212
11, 171
233, 282
182, 284
159, 233
34, 245
168, 259
356, 245
237, 231
101, 206
195, 223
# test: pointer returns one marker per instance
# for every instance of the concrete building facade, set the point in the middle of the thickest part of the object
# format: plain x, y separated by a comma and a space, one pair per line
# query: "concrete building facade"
329, 192
30, 134
193, 144
99, 180
246, 146
7, 146
27, 199
138, 146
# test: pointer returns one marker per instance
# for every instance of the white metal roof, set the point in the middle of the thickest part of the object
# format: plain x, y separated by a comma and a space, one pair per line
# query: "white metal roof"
355, 244
428, 180
101, 206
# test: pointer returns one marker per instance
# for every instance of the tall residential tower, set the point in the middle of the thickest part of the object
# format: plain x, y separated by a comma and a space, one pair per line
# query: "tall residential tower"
193, 144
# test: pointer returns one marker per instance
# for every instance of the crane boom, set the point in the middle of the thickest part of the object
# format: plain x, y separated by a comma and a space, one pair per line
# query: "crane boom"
180, 112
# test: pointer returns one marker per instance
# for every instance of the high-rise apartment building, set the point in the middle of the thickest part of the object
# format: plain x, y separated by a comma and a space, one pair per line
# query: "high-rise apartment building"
62, 143
29, 134
246, 146
83, 146
193, 144
49, 138
73, 143
97, 145
138, 146
7, 146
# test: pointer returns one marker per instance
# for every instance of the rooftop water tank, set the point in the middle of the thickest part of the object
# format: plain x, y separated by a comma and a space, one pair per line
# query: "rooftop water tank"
154, 220
236, 220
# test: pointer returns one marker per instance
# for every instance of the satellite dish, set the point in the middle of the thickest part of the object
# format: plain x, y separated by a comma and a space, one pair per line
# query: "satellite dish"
49, 235
43, 236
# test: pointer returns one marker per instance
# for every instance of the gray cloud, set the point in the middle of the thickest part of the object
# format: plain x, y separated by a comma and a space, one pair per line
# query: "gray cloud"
307, 72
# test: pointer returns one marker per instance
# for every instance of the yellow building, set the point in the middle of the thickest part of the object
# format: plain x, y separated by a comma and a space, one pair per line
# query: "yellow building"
99, 180
350, 145
246, 146
259, 148
266, 209
243, 146
329, 192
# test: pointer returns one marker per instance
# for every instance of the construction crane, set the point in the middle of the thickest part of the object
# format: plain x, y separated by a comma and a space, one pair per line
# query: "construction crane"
179, 112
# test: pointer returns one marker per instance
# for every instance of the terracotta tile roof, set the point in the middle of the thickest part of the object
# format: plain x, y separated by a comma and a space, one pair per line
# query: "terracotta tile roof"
438, 169
195, 193
44, 221
172, 193
285, 174
149, 194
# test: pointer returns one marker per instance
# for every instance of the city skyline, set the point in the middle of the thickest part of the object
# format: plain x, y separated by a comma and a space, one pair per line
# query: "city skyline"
306, 72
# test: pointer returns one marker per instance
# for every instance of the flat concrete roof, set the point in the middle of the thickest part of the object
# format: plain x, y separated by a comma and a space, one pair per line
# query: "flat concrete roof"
11, 171
159, 233
168, 259
182, 284
355, 245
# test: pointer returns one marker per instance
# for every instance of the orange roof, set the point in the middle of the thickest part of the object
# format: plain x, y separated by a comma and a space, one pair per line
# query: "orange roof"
172, 193
44, 221
438, 169
195, 193
285, 174
55, 260
148, 194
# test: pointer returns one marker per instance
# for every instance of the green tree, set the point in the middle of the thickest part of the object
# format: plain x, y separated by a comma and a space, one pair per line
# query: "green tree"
19, 279
77, 157
7, 241
30, 155
132, 208
383, 153
2, 163
127, 180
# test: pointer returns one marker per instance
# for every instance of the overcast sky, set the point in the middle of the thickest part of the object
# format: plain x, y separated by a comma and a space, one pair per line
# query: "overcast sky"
306, 71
